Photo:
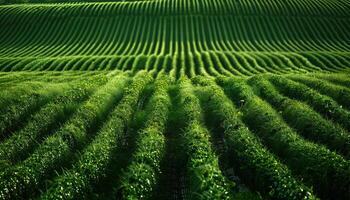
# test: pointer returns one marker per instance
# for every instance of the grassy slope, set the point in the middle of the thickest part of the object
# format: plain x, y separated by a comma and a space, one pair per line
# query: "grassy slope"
78, 111
178, 37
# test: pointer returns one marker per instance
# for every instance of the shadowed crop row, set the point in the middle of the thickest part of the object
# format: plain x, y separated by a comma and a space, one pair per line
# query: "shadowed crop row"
230, 38
263, 134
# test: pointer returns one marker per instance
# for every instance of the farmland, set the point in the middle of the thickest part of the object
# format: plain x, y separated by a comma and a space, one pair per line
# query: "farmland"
175, 99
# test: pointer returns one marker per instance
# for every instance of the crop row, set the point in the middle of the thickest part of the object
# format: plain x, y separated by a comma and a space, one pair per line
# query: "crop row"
49, 36
261, 168
58, 148
273, 135
315, 163
206, 63
244, 7
93, 163
213, 38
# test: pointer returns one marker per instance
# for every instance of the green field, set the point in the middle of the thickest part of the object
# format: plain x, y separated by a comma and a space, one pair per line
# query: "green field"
175, 99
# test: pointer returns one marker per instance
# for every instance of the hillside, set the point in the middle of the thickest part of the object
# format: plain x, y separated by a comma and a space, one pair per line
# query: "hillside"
178, 37
175, 99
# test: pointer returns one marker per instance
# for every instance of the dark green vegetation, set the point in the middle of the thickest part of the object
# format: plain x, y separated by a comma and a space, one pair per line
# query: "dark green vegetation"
240, 138
181, 37
183, 99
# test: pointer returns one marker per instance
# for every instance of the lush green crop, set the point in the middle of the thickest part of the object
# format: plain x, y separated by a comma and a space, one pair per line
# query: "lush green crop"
175, 99
182, 37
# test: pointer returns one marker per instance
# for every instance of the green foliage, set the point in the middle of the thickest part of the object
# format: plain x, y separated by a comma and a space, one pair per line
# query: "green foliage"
315, 163
93, 163
140, 178
58, 147
207, 181
16, 106
338, 93
259, 166
180, 38
309, 123
80, 83
22, 142
31, 155
321, 103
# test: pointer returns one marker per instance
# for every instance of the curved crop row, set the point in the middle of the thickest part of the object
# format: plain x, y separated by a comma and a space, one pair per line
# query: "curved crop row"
321, 103
212, 63
244, 7
140, 177
15, 109
24, 178
338, 93
315, 163
258, 166
21, 143
206, 178
309, 123
340, 79
75, 142
198, 41
92, 165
